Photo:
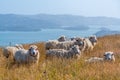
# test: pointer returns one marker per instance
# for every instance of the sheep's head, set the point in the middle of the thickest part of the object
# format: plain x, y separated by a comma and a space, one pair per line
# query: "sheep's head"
76, 49
33, 50
80, 42
93, 39
109, 56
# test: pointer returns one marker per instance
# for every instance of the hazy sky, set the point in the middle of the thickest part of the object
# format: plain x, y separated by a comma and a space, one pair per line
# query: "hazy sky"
110, 8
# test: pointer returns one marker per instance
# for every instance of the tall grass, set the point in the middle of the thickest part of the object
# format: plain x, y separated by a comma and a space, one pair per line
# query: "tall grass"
67, 69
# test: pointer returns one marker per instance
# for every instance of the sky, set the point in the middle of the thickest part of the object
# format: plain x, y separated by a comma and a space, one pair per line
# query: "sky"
109, 8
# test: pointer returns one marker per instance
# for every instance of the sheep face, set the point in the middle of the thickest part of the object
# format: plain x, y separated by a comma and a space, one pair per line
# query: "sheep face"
33, 51
93, 39
75, 48
76, 51
80, 42
109, 56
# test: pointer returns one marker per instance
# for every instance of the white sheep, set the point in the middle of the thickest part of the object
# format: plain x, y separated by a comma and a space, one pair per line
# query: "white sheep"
108, 56
51, 44
90, 42
9, 51
72, 52
27, 56
61, 45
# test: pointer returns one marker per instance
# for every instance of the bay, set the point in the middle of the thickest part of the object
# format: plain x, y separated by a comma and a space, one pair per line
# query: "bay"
12, 38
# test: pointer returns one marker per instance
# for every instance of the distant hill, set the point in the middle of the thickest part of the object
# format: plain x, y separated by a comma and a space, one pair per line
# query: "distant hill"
104, 32
13, 22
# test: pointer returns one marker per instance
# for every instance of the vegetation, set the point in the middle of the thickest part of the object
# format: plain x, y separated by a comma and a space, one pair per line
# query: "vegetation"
67, 69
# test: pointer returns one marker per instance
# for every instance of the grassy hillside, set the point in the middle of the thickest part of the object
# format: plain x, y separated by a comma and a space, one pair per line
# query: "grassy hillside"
70, 69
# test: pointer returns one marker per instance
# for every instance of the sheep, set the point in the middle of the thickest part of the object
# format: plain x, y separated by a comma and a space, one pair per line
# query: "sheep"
108, 56
62, 53
51, 44
90, 42
27, 56
9, 51
54, 44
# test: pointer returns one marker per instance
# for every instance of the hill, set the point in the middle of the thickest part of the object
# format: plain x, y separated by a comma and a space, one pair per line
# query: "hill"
70, 69
105, 31
14, 22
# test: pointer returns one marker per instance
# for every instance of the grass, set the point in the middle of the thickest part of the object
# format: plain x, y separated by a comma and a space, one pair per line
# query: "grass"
67, 69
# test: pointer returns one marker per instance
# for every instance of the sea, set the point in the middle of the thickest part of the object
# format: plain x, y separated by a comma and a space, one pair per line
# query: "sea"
19, 37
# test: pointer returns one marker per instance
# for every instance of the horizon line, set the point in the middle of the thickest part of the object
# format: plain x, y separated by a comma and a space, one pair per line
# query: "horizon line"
57, 15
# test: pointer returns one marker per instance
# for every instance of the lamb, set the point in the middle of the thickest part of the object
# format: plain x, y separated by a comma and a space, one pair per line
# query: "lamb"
62, 53
90, 42
108, 56
27, 56
61, 45
9, 51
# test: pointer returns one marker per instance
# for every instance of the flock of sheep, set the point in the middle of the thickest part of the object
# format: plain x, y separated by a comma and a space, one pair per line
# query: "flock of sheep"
68, 48
61, 48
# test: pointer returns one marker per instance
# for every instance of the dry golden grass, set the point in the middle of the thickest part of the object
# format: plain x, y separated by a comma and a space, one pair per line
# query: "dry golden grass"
67, 69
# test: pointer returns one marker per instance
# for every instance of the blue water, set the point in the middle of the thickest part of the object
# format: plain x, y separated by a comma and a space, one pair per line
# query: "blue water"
7, 38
